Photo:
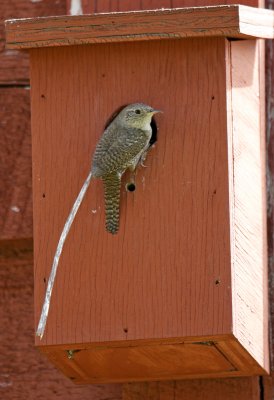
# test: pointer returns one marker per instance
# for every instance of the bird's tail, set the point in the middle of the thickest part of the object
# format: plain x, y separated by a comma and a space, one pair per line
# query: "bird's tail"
112, 186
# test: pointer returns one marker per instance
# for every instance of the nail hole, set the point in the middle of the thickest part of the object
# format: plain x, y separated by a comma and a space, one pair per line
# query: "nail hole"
130, 187
103, 75
125, 330
212, 97
215, 191
217, 282
44, 280
43, 195
43, 96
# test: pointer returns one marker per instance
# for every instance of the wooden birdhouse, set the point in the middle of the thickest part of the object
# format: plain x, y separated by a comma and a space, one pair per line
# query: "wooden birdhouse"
181, 290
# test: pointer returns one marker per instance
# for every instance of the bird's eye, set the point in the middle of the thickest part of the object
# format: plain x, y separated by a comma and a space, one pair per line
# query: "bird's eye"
137, 111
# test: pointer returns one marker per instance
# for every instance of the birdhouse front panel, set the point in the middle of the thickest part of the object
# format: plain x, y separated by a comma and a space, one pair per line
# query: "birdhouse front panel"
166, 274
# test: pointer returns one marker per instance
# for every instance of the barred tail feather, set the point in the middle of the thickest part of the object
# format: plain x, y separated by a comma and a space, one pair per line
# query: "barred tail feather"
112, 186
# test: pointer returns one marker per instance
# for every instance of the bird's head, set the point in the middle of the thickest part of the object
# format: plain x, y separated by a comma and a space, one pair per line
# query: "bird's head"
137, 115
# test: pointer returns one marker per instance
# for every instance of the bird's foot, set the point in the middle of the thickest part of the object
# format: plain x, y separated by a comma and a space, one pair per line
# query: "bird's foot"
143, 159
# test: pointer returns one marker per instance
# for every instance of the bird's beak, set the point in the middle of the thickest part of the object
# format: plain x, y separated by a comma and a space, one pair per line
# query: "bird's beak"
156, 111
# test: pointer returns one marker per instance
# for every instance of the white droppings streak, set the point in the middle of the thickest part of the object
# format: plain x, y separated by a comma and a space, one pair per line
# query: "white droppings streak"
5, 380
65, 231
5, 384
15, 209
76, 7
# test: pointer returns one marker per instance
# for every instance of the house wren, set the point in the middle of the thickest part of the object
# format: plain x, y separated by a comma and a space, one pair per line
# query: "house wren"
122, 146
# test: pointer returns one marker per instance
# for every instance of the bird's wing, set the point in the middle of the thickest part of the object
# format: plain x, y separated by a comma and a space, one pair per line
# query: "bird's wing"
117, 148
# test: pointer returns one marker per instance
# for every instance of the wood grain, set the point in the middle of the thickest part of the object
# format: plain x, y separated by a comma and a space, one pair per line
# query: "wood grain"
24, 373
150, 302
156, 285
213, 389
25, 9
14, 68
95, 6
16, 251
248, 203
232, 21
141, 362
146, 360
13, 64
15, 164
269, 382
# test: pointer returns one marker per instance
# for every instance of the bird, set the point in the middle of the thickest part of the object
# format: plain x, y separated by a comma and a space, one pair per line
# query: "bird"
123, 145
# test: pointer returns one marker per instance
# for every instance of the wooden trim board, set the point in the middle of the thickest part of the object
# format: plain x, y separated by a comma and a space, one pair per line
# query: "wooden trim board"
235, 21
140, 360
246, 138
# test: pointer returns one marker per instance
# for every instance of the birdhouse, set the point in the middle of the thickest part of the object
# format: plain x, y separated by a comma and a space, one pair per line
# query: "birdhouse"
181, 290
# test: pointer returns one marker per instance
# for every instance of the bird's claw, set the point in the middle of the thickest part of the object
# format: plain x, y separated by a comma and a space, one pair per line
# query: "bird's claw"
143, 165
143, 159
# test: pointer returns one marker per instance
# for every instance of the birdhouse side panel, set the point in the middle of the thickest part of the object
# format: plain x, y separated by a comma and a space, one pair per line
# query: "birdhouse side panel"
248, 202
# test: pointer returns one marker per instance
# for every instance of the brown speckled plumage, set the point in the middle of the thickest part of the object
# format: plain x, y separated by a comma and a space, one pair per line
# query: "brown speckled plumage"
121, 146
112, 185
